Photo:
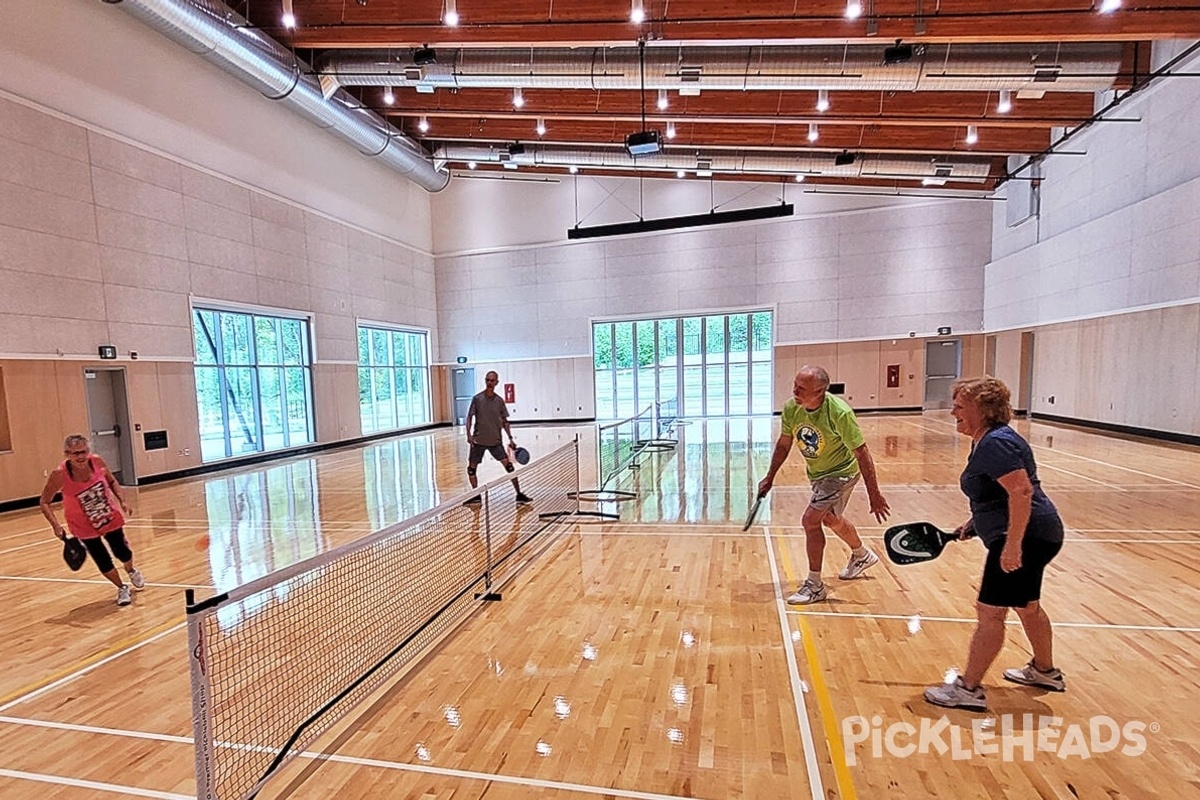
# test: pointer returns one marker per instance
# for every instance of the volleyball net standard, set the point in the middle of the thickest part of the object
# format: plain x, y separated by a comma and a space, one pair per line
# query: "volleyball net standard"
277, 662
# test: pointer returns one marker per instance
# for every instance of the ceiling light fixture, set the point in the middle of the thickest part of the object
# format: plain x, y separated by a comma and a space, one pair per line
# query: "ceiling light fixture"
670, 130
822, 100
813, 133
853, 9
389, 97
541, 127
423, 124
573, 169
471, 165
799, 179
637, 12
1109, 6
289, 15
972, 134
1004, 104
450, 14
663, 102
518, 98
680, 173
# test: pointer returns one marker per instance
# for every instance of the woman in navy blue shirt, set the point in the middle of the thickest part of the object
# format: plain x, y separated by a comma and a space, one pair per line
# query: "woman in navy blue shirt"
1022, 531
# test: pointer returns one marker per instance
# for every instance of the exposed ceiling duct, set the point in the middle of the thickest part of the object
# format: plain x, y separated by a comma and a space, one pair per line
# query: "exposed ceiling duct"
957, 168
213, 31
1064, 67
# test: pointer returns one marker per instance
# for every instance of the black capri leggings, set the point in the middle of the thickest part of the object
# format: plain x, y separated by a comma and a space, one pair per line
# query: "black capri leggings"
120, 549
1019, 588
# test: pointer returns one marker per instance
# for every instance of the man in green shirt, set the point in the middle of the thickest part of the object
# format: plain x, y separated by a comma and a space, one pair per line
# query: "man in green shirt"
825, 430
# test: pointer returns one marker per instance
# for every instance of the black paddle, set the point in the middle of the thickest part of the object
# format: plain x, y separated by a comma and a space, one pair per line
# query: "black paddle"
74, 553
914, 542
753, 512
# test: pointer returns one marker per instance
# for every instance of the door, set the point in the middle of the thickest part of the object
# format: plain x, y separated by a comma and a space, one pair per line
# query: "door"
108, 422
1025, 390
943, 360
464, 389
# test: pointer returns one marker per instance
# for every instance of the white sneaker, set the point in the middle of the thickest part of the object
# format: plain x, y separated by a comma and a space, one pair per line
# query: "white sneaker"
810, 592
124, 598
957, 695
1029, 675
136, 579
858, 565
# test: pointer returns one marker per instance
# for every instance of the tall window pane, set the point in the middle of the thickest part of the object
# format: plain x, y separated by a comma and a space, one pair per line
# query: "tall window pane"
246, 400
393, 378
713, 365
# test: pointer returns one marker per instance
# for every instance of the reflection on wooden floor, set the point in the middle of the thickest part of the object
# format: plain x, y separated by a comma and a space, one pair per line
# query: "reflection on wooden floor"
651, 657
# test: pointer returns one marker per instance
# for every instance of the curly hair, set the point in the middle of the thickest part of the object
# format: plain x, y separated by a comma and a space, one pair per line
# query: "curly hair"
989, 395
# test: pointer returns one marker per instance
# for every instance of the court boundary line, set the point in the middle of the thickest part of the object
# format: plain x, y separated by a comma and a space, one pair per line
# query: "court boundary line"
833, 737
806, 735
99, 582
447, 772
1081, 625
1069, 454
86, 665
80, 783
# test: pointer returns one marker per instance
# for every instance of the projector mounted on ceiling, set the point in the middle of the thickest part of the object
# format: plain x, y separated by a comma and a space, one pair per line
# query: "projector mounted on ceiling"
897, 54
423, 56
642, 143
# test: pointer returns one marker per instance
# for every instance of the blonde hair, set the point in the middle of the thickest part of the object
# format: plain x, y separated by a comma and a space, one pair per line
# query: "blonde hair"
989, 395
74, 439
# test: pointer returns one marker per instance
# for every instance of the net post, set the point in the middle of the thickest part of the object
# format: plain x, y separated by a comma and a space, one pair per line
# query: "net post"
488, 595
201, 694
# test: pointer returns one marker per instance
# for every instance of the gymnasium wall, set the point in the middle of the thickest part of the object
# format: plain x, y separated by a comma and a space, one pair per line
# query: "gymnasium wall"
1108, 277
106, 242
873, 273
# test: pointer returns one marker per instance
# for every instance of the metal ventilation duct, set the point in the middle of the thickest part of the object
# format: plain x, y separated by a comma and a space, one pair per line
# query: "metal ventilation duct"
213, 31
866, 165
1065, 67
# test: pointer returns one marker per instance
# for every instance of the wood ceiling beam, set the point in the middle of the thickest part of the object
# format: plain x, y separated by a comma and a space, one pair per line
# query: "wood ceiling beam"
1130, 24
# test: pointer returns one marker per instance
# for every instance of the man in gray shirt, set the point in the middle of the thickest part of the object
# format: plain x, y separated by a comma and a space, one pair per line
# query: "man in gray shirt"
486, 419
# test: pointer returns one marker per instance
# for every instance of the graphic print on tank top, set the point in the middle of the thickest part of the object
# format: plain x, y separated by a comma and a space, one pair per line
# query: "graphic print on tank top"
94, 502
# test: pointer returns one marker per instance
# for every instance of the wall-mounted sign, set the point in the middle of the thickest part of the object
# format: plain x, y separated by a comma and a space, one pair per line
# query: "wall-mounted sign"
107, 351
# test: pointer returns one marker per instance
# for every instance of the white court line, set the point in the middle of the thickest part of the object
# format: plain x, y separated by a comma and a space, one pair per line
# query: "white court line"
1103, 463
81, 672
1106, 484
24, 547
94, 785
42, 530
789, 651
1056, 624
105, 582
487, 777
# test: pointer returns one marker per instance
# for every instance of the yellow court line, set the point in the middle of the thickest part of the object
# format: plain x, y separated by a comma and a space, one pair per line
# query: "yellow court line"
95, 658
833, 736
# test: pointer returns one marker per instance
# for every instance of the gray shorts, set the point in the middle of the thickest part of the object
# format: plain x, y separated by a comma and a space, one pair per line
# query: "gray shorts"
832, 494
477, 451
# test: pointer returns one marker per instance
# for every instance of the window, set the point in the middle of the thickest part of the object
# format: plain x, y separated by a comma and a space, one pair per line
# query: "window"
393, 378
716, 365
253, 382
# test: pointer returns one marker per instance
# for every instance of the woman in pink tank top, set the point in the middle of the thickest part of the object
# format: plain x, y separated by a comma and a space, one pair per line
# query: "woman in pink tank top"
95, 512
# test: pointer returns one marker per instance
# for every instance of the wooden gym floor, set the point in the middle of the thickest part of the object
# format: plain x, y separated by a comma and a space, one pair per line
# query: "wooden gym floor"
651, 657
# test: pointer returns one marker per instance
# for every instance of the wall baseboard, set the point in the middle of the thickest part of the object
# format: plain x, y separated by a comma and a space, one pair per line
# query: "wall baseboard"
1121, 430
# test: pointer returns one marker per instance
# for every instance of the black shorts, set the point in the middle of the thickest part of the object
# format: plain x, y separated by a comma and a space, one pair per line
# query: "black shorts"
1019, 588
477, 450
